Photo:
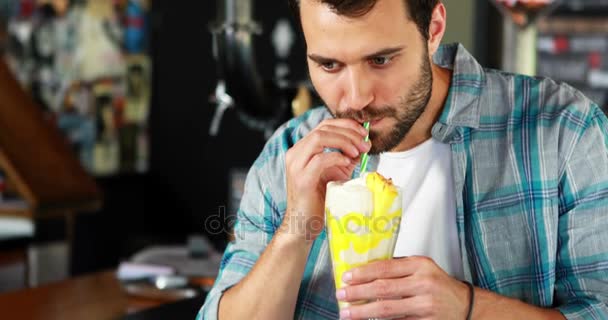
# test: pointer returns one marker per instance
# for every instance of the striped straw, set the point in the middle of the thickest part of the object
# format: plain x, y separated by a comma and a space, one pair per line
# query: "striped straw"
364, 156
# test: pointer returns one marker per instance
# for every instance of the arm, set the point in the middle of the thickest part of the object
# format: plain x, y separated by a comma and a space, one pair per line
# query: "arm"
581, 285
489, 305
253, 231
581, 289
263, 269
270, 290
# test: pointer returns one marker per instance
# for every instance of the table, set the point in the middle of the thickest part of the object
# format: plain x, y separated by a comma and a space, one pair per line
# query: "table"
94, 296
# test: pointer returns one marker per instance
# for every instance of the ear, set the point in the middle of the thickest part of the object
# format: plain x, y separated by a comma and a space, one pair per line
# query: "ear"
436, 28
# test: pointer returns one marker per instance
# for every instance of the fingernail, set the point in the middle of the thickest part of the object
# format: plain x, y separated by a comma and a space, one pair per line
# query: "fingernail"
345, 314
355, 150
347, 276
341, 294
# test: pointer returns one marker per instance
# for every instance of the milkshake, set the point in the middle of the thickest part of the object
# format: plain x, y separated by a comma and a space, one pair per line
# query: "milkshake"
362, 217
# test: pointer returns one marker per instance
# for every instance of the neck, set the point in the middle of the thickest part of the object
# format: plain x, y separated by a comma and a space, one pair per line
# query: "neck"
421, 130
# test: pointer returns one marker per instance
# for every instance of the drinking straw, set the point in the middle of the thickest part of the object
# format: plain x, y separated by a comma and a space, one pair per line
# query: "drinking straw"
364, 156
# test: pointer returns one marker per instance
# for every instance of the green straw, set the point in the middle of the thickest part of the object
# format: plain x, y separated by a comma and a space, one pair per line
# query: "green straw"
364, 156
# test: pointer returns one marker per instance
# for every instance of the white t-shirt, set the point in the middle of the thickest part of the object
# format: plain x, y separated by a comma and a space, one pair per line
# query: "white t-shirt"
428, 224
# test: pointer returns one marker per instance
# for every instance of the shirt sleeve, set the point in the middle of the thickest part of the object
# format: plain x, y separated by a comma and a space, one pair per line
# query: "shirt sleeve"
581, 290
255, 225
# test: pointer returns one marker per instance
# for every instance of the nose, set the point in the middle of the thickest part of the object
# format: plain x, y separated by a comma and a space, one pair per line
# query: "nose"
358, 90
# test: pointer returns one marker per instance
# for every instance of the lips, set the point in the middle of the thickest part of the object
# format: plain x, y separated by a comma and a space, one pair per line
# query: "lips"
372, 122
376, 121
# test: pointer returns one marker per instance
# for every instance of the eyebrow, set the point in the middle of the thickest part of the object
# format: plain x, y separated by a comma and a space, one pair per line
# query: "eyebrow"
383, 52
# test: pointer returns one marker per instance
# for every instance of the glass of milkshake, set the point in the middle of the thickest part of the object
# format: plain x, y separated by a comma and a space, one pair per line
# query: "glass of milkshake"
362, 217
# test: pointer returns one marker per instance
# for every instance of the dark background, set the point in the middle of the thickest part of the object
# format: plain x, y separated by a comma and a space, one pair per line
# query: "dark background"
189, 169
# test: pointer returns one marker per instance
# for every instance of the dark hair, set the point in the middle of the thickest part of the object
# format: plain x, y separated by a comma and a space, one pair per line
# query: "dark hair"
420, 11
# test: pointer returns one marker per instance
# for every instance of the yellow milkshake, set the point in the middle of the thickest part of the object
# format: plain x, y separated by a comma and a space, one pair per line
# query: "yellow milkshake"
362, 217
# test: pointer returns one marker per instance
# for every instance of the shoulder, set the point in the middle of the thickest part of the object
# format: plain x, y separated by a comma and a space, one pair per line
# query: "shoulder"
296, 128
272, 157
536, 99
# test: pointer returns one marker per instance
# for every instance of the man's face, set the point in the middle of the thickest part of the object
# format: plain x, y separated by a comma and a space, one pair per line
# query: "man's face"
370, 68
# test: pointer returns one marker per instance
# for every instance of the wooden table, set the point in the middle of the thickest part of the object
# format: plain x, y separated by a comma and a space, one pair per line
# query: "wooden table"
95, 296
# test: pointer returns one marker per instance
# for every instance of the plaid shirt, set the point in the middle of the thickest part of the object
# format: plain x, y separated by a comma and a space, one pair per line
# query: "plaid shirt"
530, 166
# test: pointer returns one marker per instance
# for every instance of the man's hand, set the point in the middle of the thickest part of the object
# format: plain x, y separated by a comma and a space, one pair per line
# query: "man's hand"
309, 169
413, 287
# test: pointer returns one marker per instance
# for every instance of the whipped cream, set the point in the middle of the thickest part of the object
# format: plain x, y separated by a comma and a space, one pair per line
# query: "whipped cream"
344, 197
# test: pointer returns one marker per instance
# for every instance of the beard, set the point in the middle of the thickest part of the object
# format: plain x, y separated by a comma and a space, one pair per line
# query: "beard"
409, 108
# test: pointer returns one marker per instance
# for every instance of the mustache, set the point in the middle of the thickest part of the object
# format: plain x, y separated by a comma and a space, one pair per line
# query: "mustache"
367, 113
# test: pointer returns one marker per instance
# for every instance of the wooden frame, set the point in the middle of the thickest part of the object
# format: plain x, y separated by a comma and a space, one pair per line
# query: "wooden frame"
38, 159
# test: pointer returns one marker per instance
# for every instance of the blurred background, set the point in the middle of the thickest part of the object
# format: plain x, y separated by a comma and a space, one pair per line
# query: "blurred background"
164, 105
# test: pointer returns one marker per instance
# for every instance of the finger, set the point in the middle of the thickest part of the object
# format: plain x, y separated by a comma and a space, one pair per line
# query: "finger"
377, 289
410, 286
385, 269
339, 173
316, 142
298, 156
398, 308
410, 318
322, 162
345, 123
356, 137
348, 170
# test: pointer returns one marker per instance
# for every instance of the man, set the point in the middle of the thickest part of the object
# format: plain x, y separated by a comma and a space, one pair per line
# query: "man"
505, 182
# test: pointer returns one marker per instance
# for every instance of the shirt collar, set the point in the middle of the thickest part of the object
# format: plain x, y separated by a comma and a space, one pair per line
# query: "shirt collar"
462, 105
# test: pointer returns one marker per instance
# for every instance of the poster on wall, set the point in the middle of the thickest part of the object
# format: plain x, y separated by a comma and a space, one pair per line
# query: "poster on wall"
86, 63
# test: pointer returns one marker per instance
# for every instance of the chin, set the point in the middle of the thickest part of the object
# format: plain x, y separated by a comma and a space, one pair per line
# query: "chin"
382, 127
377, 146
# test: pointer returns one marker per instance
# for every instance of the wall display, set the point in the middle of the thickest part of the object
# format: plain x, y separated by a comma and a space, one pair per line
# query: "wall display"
86, 64
572, 47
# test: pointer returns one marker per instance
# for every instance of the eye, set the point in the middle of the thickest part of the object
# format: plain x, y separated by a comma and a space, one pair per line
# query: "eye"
380, 60
329, 66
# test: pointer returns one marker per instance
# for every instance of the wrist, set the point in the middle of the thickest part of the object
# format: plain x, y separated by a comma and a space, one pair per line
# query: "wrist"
490, 305
288, 238
470, 301
300, 227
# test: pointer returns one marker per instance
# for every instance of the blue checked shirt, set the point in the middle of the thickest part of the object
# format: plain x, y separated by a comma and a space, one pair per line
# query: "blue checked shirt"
530, 166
